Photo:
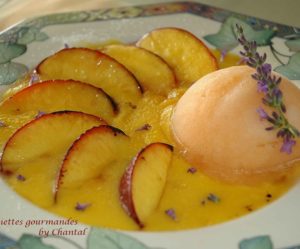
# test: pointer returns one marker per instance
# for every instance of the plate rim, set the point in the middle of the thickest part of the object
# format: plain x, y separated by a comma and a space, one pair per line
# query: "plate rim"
187, 7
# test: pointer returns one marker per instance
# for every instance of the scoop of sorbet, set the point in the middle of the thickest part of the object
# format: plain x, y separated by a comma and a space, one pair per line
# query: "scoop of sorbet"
217, 126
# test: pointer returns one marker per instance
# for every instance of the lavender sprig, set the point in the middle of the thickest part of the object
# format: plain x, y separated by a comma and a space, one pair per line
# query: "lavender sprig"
268, 84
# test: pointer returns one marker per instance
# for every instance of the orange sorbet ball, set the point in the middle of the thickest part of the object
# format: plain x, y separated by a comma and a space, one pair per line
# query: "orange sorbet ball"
217, 126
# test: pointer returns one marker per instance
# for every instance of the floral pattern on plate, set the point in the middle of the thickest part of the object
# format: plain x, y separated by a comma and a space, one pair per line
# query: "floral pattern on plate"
13, 43
107, 239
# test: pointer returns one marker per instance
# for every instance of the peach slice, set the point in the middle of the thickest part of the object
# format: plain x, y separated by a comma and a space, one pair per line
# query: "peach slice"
185, 53
90, 154
153, 73
143, 182
60, 95
32, 156
95, 68
45, 136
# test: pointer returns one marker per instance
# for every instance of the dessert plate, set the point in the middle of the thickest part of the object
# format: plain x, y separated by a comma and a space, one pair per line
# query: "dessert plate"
23, 225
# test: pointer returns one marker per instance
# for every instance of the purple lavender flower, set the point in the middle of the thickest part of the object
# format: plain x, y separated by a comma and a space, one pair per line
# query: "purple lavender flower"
223, 54
82, 206
213, 198
2, 124
273, 97
277, 93
262, 113
40, 113
21, 178
192, 170
171, 213
34, 78
262, 86
287, 145
266, 68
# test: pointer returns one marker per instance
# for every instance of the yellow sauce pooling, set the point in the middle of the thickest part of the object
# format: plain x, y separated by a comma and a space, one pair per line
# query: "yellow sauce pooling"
196, 199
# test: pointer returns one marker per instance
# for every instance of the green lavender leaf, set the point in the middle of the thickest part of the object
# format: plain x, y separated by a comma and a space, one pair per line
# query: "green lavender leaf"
291, 69
226, 39
107, 239
259, 242
28, 241
10, 72
10, 51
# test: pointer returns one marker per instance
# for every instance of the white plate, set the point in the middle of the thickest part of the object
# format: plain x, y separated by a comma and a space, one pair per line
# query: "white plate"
24, 45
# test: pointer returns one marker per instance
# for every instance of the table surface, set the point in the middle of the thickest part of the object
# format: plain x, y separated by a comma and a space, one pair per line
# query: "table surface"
13, 11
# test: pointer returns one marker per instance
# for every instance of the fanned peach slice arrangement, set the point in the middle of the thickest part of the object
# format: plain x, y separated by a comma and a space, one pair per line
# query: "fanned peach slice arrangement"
34, 151
83, 102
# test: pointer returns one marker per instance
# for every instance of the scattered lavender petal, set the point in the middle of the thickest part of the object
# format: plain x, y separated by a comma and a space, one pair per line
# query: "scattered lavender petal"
192, 170
171, 213
82, 206
34, 78
213, 198
66, 45
145, 127
223, 54
2, 124
21, 178
40, 113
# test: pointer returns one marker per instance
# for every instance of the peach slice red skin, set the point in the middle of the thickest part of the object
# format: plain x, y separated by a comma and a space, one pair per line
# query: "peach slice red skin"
107, 50
176, 82
45, 116
183, 30
73, 148
207, 50
99, 55
44, 83
125, 187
